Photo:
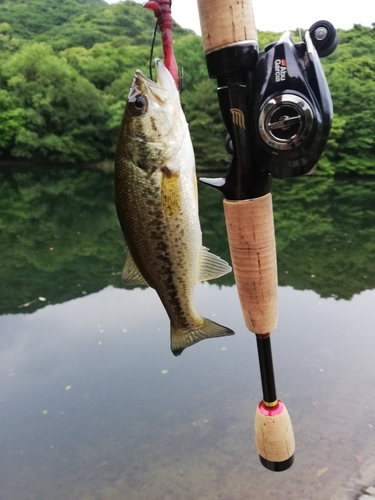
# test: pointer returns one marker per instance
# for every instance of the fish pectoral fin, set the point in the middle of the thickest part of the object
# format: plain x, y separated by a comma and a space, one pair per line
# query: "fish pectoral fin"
212, 266
131, 275
180, 338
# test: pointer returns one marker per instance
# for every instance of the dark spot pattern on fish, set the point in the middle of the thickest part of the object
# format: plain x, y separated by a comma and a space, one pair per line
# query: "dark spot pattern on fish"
153, 124
160, 227
142, 164
167, 172
161, 245
142, 158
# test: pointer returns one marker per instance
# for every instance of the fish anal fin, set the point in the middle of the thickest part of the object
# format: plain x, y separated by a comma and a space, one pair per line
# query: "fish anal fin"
131, 275
207, 329
170, 193
212, 266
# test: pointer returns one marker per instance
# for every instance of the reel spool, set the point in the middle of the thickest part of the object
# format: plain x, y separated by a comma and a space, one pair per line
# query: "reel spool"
292, 108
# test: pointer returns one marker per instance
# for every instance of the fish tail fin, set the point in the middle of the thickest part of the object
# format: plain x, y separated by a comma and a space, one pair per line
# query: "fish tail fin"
207, 329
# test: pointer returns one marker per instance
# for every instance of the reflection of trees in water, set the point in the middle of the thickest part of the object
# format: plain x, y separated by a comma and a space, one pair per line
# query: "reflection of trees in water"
325, 232
60, 236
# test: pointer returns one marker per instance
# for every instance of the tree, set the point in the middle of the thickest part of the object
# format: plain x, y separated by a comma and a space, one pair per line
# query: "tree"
66, 67
12, 121
206, 125
64, 116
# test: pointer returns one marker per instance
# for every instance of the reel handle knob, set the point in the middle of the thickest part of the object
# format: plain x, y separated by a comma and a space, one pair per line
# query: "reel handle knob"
324, 37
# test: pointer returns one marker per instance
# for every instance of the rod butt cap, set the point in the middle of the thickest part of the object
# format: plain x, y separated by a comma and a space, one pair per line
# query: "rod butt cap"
277, 466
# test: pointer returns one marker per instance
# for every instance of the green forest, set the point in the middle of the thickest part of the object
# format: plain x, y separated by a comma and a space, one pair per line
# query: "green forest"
66, 67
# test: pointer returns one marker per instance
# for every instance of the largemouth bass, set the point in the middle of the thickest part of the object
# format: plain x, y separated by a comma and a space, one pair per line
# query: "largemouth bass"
157, 206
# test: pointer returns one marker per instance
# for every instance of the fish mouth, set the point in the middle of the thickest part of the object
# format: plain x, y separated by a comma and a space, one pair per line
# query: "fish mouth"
162, 90
163, 76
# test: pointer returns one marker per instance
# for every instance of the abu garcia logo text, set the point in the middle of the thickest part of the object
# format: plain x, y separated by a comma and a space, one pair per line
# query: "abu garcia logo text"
280, 70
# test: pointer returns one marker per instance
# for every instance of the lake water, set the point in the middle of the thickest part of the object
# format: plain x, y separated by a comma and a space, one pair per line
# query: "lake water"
95, 407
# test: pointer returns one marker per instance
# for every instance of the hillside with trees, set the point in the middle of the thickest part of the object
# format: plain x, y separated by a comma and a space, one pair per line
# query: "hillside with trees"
66, 67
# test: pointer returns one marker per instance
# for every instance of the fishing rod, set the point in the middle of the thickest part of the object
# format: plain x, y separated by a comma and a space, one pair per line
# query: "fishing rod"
277, 109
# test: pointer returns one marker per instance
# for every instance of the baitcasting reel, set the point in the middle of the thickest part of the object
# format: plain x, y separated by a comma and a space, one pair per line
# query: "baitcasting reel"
292, 108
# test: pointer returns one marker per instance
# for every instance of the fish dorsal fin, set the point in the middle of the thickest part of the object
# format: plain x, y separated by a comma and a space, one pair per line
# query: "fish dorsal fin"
170, 193
131, 275
212, 266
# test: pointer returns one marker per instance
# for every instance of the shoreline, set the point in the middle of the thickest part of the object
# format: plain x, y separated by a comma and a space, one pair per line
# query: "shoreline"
108, 166
105, 165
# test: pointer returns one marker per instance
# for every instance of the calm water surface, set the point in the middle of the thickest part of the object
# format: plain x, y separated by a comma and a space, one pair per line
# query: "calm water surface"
95, 407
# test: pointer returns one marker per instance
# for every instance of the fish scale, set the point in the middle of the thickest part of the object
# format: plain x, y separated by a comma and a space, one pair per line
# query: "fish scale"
157, 206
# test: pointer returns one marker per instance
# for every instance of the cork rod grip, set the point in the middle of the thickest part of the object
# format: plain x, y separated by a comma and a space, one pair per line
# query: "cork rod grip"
252, 246
224, 22
274, 437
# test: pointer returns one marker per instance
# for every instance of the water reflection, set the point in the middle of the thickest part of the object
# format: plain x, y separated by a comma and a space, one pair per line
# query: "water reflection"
95, 407
60, 237
325, 231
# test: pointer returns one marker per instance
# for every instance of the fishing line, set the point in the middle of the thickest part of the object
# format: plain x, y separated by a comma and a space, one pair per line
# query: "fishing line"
152, 49
181, 80
181, 75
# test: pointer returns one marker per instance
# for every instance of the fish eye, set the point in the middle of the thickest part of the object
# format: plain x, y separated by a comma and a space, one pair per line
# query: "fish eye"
139, 105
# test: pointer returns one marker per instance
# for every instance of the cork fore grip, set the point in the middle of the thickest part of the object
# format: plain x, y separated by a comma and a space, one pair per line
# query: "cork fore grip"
225, 22
252, 246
